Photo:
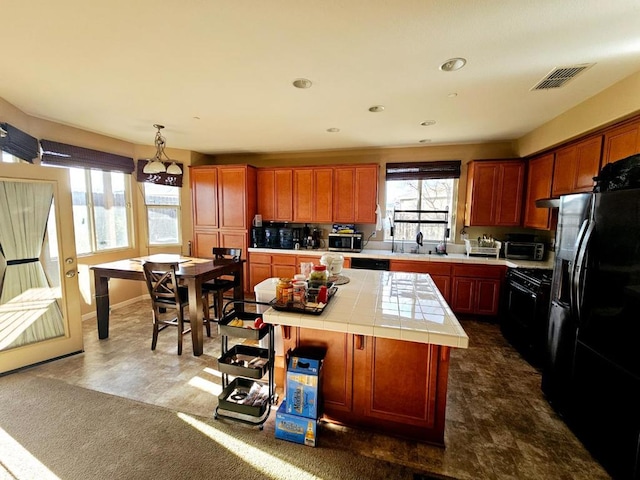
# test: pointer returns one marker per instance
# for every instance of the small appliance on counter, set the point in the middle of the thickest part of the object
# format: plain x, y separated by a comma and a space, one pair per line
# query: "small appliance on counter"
345, 242
271, 237
523, 247
258, 237
334, 263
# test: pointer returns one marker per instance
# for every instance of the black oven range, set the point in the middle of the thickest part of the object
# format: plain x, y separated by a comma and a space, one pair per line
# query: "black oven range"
525, 311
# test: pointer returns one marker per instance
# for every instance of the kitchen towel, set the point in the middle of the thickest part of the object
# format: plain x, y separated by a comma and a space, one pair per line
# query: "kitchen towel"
378, 217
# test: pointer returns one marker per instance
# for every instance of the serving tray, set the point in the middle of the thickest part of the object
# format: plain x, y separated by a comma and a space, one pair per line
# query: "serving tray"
306, 308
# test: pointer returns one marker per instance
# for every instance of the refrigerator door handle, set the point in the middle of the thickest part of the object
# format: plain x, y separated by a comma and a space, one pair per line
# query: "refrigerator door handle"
579, 273
572, 267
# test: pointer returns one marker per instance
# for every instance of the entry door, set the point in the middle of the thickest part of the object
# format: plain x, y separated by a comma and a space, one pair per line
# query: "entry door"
39, 295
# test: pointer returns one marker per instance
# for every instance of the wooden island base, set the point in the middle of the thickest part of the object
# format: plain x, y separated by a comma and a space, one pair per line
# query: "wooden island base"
389, 386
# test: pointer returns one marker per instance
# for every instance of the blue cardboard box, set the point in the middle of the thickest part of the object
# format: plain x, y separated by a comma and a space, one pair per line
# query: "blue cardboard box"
294, 428
303, 394
303, 364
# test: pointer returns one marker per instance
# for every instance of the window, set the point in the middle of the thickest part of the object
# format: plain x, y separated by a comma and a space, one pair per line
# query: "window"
430, 188
8, 158
163, 213
101, 210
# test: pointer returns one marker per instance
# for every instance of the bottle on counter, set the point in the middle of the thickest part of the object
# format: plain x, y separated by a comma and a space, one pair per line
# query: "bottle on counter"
284, 290
319, 276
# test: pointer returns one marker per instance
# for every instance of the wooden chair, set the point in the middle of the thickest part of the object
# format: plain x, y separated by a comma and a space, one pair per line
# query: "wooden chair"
166, 295
218, 286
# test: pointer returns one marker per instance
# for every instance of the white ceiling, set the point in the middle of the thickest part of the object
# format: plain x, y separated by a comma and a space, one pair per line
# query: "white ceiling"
218, 74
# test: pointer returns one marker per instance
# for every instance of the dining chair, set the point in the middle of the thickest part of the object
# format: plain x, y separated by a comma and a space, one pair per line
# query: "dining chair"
167, 295
218, 286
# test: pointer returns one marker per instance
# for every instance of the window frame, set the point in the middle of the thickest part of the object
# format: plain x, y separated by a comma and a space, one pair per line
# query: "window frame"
177, 208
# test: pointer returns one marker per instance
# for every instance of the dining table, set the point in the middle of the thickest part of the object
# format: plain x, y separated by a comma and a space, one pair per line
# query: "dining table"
192, 272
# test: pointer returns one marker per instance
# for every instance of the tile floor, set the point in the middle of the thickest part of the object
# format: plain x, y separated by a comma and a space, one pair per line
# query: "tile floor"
499, 425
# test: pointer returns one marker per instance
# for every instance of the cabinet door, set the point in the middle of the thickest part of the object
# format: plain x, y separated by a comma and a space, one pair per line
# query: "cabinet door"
463, 295
257, 273
204, 242
538, 187
487, 296
443, 282
482, 184
366, 194
344, 194
379, 399
283, 271
510, 193
303, 195
337, 375
621, 142
564, 171
232, 192
266, 193
323, 193
283, 179
588, 155
204, 196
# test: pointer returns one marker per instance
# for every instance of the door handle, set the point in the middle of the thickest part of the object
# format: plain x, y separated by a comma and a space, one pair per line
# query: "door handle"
360, 342
70, 274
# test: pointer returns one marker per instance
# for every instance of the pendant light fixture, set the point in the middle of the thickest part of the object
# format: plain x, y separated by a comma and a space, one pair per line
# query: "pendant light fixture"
156, 165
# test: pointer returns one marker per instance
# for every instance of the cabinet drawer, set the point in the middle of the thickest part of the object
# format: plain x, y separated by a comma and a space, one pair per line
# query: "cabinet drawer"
283, 259
477, 271
260, 258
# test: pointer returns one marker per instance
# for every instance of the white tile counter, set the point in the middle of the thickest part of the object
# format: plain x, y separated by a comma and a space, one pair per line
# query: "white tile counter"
396, 305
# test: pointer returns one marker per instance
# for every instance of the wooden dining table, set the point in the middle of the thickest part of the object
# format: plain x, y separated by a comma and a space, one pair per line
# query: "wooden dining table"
192, 272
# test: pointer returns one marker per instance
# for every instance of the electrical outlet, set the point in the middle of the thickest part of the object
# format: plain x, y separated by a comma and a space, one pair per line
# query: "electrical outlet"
373, 234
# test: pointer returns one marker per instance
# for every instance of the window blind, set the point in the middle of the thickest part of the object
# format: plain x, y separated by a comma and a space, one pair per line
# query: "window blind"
64, 155
18, 143
423, 170
158, 178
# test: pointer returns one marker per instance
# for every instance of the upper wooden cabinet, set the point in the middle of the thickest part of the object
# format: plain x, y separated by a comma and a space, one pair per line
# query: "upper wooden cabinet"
575, 166
495, 193
355, 194
275, 194
540, 174
621, 142
204, 196
313, 194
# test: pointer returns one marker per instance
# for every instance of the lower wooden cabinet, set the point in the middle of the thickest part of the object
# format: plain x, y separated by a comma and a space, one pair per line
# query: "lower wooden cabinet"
476, 289
265, 265
362, 387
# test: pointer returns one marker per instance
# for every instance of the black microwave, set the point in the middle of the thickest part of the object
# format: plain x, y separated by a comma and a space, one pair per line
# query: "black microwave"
524, 250
345, 242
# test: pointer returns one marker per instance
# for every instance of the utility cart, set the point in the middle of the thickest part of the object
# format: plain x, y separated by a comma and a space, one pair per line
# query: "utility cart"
249, 395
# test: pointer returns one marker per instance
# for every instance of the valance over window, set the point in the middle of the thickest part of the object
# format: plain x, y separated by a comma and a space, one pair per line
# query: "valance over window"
423, 170
63, 155
159, 178
18, 143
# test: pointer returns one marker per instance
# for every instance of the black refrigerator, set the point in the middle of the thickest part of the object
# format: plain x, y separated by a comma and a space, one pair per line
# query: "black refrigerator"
592, 365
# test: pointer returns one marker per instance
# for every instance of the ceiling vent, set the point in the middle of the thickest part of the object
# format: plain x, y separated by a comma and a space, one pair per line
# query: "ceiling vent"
559, 76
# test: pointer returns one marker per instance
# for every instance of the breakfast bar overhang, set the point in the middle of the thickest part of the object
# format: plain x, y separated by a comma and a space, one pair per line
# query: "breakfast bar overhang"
388, 337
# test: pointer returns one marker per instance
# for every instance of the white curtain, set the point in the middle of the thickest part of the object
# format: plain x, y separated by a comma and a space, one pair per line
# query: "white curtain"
30, 312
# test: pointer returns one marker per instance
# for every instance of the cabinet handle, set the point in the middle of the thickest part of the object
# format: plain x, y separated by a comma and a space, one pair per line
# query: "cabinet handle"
360, 342
286, 332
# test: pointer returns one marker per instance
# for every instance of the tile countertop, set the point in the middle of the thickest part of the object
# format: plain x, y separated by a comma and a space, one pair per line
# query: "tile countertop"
396, 305
422, 257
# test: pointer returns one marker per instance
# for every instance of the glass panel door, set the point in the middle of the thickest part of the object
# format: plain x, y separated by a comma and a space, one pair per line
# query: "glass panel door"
39, 295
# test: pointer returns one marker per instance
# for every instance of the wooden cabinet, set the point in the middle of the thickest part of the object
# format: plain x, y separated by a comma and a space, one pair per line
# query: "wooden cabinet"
575, 166
275, 194
620, 142
361, 385
539, 177
494, 193
265, 265
475, 289
313, 195
440, 273
355, 194
224, 204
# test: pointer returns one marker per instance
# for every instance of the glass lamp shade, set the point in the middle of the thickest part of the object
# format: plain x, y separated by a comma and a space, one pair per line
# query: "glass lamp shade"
174, 169
155, 166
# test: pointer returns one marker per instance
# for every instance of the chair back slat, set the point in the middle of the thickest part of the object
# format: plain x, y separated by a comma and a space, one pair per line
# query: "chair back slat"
231, 253
161, 281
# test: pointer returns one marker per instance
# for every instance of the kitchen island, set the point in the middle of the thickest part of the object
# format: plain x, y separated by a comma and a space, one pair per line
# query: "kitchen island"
388, 337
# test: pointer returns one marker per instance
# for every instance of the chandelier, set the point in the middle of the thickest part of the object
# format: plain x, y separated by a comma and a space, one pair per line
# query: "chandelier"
156, 165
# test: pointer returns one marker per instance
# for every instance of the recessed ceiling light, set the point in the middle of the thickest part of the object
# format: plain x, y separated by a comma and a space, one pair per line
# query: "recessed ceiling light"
333, 130
302, 83
453, 64
425, 140
376, 108
428, 123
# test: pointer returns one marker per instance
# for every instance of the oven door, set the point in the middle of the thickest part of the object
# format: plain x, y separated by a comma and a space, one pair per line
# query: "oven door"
521, 321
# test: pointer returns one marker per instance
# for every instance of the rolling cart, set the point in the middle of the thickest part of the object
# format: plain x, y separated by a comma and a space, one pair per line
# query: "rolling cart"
249, 396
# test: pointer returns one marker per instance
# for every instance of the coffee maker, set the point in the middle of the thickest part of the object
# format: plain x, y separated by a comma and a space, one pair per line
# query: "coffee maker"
258, 237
